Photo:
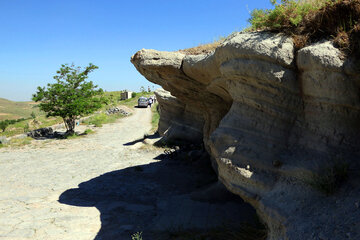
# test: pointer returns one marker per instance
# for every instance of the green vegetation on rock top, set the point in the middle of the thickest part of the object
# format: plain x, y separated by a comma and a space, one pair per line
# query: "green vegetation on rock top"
312, 20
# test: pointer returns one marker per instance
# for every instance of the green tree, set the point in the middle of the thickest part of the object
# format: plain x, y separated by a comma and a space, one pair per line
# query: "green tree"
4, 125
71, 96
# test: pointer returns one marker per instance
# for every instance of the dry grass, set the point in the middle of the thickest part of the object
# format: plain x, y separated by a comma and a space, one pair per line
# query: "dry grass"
14, 110
201, 49
309, 21
19, 142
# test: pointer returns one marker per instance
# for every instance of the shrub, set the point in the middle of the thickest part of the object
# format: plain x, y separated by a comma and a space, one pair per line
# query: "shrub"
288, 14
133, 94
26, 128
4, 125
136, 236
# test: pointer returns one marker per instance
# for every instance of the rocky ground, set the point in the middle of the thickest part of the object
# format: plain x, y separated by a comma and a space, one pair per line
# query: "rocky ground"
109, 185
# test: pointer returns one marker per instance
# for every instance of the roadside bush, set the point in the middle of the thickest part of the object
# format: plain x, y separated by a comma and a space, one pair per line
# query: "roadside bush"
133, 94
4, 125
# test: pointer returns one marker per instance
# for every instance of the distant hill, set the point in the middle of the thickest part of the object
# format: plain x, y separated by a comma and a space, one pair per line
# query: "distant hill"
15, 110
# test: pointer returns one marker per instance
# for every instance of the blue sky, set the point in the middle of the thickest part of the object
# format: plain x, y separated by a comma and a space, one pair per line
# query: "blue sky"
37, 36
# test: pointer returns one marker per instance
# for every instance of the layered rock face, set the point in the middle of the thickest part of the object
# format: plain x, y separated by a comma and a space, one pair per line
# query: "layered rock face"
273, 118
178, 121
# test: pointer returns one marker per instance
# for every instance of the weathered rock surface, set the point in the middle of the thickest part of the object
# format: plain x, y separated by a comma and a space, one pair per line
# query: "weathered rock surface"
178, 121
273, 119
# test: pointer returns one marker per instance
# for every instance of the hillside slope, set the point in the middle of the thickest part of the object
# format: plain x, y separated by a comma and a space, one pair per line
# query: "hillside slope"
14, 110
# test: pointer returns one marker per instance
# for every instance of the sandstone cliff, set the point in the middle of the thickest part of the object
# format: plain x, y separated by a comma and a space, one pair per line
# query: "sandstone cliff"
178, 121
275, 122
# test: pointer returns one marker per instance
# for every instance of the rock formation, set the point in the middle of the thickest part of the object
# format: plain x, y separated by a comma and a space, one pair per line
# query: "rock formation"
275, 120
178, 121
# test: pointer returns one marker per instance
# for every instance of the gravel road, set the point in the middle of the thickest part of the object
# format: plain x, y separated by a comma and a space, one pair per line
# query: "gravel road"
106, 185
33, 177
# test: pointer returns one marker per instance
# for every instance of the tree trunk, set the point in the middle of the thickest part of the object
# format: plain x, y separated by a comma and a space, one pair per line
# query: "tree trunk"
70, 125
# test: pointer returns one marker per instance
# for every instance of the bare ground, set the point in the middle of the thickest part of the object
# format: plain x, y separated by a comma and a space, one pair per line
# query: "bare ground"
107, 186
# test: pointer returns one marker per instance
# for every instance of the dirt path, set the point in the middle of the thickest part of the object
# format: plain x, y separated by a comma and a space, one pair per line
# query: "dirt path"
102, 186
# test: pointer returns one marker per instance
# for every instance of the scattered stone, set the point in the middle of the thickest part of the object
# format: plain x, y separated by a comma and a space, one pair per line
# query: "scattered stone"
41, 132
3, 140
116, 110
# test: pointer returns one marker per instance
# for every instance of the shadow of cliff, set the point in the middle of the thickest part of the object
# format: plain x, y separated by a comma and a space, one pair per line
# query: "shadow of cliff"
164, 196
151, 136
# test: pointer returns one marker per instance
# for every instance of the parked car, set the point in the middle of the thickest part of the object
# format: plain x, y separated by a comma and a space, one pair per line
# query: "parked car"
143, 102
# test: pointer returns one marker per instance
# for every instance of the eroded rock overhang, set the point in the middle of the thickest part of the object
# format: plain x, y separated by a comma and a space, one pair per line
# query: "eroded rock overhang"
272, 116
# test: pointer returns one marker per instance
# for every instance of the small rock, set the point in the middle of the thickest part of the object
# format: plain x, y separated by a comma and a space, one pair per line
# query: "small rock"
3, 140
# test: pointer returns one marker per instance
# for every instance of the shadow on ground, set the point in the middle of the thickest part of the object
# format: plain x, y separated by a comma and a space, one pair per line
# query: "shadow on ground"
155, 135
159, 199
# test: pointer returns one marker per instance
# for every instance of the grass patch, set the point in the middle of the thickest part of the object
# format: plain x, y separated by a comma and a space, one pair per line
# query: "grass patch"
330, 178
76, 135
285, 15
30, 124
99, 119
72, 136
88, 131
18, 142
15, 110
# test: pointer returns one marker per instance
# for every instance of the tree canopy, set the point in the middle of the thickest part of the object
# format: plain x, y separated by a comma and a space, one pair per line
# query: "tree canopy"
71, 96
